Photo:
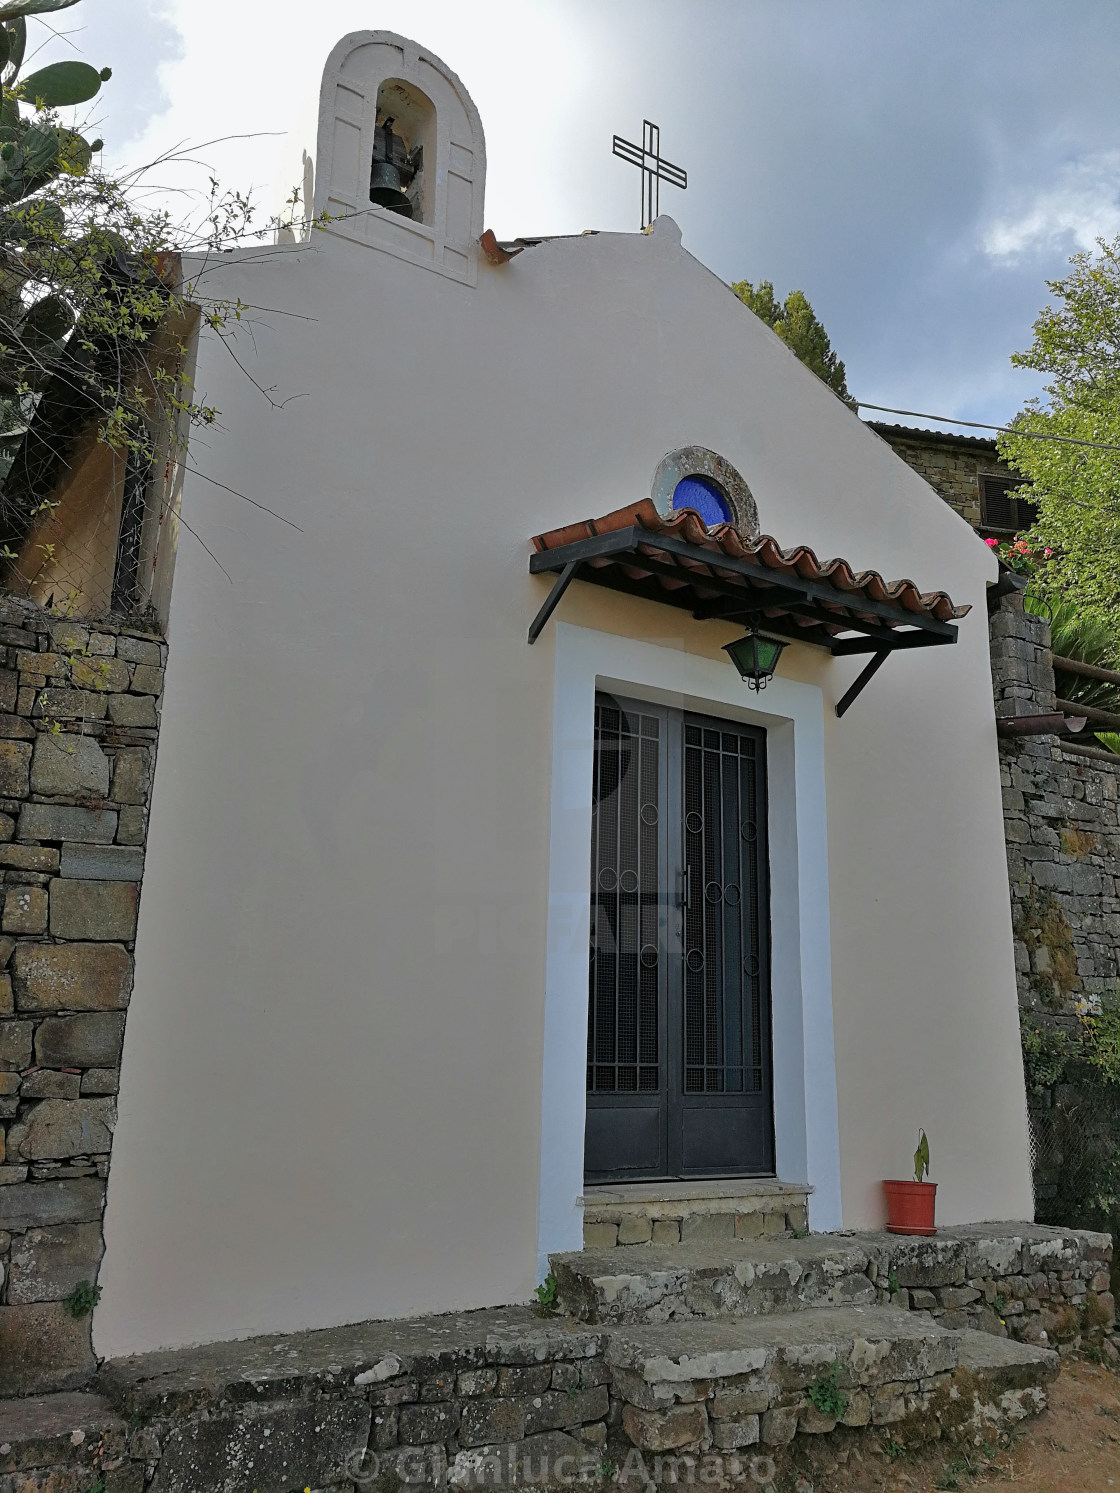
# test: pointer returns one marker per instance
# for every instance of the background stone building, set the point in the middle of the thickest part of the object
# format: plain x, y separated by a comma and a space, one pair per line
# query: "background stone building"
1061, 803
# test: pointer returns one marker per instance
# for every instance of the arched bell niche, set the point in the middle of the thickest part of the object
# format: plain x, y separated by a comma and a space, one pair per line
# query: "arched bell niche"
401, 158
404, 139
694, 477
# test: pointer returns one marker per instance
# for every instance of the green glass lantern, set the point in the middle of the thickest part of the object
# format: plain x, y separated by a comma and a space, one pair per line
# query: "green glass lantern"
756, 657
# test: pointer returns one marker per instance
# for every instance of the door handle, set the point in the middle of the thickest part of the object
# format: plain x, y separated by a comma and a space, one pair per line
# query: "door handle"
686, 892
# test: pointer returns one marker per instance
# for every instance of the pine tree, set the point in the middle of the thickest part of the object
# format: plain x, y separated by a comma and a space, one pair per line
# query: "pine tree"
796, 324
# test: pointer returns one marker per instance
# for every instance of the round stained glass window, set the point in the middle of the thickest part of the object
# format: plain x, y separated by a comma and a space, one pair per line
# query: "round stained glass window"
705, 497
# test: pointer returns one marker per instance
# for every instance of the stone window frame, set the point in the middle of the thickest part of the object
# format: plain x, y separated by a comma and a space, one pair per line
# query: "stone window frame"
699, 461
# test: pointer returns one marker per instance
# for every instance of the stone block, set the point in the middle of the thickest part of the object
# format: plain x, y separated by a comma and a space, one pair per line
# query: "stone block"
440, 1386
42, 1348
15, 767
100, 1081
662, 1430
31, 1205
133, 825
35, 858
103, 862
858, 1412
130, 776
558, 1409
92, 1041
533, 1379
729, 1435
15, 1044
635, 1230
45, 1083
43, 665
94, 909
60, 1128
56, 703
921, 1301
138, 651
666, 1231
147, 679
15, 728
954, 1298
63, 822
778, 1427
704, 1228
749, 1225
600, 1235
25, 910
46, 1264
99, 673
730, 1404
71, 765
69, 637
814, 1422
102, 645
71, 977
137, 712
286, 1445
491, 1422
419, 1425
473, 1382
888, 1405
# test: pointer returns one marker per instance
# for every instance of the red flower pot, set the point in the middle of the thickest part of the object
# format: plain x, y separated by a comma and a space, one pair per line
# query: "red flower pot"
910, 1207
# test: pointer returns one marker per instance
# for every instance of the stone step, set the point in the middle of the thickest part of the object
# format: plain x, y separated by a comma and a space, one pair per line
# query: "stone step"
724, 1385
1031, 1281
730, 1278
73, 1430
666, 1213
504, 1397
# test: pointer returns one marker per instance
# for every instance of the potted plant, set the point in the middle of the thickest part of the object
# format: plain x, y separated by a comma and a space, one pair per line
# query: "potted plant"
910, 1205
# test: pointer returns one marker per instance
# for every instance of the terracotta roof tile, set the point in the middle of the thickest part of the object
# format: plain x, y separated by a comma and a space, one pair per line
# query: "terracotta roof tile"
726, 539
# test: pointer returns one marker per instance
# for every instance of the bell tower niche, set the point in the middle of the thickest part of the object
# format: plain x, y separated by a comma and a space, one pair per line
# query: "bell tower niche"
401, 161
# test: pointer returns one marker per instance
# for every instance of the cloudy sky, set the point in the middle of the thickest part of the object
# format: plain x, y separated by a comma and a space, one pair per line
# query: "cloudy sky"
918, 167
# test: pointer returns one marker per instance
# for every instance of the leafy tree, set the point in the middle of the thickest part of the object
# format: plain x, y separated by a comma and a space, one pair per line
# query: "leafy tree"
94, 318
1076, 487
796, 324
1090, 640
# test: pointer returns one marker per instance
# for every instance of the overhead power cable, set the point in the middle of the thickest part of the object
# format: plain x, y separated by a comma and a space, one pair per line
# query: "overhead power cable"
1034, 435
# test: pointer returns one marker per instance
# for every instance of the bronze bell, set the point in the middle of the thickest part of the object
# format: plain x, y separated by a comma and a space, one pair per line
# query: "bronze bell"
392, 171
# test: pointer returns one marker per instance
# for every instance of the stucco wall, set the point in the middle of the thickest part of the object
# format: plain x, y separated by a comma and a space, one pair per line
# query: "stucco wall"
330, 1104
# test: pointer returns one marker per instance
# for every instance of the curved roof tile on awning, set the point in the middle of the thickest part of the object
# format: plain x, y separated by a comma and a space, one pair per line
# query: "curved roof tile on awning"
719, 572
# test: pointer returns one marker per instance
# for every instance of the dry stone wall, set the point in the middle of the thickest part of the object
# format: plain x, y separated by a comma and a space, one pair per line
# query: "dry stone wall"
79, 717
1062, 823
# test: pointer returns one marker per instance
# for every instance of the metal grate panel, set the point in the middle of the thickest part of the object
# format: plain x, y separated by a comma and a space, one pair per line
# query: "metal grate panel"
625, 958
722, 1013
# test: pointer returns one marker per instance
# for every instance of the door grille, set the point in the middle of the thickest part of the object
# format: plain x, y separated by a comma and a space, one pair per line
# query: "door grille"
723, 976
623, 1042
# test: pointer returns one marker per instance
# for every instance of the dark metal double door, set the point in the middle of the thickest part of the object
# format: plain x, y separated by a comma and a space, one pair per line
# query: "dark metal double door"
678, 1036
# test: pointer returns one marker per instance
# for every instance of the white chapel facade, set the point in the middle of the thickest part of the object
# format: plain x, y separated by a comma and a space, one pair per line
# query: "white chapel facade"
443, 930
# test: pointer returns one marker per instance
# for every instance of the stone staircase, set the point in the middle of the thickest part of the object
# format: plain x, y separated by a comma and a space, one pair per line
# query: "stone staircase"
732, 1362
720, 1345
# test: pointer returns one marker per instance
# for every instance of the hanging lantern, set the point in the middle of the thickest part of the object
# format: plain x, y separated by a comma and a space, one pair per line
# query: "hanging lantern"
756, 657
391, 171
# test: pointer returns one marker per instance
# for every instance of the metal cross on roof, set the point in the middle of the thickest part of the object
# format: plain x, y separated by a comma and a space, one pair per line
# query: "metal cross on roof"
654, 170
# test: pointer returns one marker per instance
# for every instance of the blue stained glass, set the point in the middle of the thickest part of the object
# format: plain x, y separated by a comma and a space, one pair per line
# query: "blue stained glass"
705, 497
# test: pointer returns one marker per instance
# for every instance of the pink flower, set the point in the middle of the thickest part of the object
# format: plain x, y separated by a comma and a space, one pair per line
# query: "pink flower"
1048, 553
992, 543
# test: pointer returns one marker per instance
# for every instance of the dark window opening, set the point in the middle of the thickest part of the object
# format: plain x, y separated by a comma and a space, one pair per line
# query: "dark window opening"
133, 508
1001, 510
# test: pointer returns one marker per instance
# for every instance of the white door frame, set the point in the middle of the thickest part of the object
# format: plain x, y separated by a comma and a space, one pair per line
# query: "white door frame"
806, 1136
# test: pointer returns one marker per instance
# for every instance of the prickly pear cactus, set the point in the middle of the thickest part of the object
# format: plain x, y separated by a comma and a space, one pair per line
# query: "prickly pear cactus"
36, 253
